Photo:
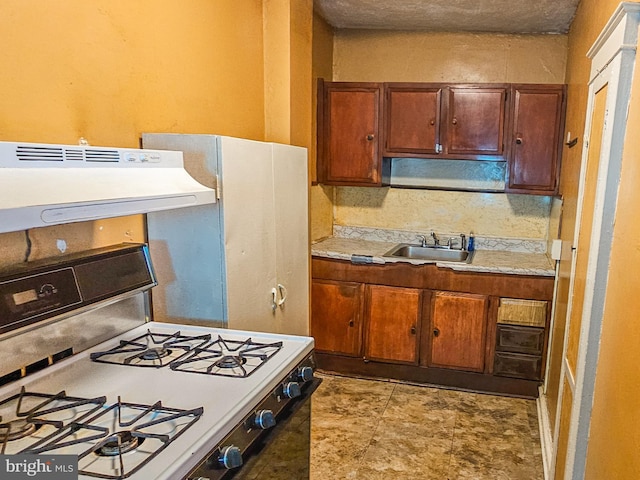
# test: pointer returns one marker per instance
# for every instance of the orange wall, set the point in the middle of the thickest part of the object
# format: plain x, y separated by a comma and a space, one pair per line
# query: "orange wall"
321, 197
590, 18
109, 70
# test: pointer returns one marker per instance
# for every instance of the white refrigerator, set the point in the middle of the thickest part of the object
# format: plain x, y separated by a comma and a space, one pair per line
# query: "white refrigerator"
242, 262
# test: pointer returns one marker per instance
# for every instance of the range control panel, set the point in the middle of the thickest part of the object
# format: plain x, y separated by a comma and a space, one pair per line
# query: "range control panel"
31, 295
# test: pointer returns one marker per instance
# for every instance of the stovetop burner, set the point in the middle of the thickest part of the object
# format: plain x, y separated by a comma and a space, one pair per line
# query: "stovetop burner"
119, 443
151, 349
29, 419
228, 358
110, 443
19, 428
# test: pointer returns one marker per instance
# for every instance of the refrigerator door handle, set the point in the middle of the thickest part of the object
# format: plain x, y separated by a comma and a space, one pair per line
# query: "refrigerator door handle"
274, 297
283, 294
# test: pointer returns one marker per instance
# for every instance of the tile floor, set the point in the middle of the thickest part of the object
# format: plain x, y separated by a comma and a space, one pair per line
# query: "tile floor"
370, 430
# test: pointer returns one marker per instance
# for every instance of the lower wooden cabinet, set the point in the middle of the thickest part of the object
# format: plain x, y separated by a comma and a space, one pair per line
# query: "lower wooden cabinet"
386, 324
392, 322
431, 325
458, 331
336, 316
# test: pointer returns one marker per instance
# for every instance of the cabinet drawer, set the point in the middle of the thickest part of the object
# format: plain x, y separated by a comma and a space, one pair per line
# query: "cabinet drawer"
517, 365
511, 338
531, 313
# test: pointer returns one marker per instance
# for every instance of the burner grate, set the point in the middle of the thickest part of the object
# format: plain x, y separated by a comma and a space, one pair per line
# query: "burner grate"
107, 444
151, 349
227, 358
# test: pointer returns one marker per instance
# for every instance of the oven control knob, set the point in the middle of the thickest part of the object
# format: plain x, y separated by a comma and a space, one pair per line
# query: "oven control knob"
264, 419
230, 457
305, 374
291, 389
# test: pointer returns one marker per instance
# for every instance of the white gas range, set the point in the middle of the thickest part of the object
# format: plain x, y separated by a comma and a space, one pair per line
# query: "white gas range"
138, 399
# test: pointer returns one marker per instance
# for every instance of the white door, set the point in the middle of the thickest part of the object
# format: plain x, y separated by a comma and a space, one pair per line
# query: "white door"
291, 208
250, 234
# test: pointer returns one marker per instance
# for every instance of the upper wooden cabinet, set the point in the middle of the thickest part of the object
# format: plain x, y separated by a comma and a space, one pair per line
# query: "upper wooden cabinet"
536, 138
445, 121
476, 122
412, 121
349, 116
361, 126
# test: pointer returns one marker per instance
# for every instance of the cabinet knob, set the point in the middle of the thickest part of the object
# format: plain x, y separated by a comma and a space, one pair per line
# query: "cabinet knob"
519, 140
370, 137
432, 122
455, 121
436, 332
351, 323
413, 330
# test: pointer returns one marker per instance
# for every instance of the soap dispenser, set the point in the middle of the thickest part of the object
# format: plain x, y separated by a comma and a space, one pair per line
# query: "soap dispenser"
471, 244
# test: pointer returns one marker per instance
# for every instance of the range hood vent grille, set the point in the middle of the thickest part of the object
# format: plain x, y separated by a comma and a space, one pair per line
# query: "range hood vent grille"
35, 153
58, 154
74, 154
102, 155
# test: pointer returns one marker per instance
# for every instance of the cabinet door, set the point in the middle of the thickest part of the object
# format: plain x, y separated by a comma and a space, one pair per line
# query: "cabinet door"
291, 220
476, 122
351, 116
336, 316
458, 327
393, 319
249, 233
412, 119
536, 141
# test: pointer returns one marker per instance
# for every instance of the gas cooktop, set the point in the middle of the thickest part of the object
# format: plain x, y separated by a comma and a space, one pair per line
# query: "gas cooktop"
84, 374
141, 423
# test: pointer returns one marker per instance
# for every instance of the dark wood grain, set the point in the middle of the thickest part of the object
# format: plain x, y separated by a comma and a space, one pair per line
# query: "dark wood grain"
536, 138
336, 316
393, 323
350, 152
458, 326
412, 117
470, 381
431, 277
476, 121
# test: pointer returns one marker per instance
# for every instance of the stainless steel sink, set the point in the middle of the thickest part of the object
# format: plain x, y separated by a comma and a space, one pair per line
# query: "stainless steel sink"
434, 253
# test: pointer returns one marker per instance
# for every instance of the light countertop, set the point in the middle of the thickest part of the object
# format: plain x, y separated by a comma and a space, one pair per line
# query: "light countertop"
488, 261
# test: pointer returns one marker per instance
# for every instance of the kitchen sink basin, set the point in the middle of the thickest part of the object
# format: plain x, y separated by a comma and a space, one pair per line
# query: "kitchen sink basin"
434, 253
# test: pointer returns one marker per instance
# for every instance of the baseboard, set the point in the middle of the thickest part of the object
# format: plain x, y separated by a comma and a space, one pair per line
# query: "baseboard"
546, 436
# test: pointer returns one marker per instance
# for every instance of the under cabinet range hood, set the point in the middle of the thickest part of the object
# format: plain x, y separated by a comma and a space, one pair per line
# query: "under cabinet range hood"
45, 184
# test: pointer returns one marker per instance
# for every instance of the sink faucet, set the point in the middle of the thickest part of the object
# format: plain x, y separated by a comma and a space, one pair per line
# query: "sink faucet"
423, 240
462, 239
436, 240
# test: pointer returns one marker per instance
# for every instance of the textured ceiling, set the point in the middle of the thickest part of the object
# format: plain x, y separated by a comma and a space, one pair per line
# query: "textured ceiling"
502, 16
